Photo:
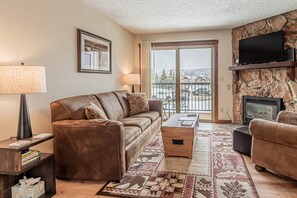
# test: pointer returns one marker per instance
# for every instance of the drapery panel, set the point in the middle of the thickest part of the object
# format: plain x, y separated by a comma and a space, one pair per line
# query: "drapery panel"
145, 67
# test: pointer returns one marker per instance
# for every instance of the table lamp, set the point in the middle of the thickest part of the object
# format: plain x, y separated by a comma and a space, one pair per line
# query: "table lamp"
22, 80
132, 79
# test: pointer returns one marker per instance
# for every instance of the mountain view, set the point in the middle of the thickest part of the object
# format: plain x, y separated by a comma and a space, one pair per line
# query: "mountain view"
168, 76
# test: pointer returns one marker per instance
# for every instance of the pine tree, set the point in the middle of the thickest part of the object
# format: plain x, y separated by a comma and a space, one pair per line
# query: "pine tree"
171, 76
163, 76
171, 73
156, 78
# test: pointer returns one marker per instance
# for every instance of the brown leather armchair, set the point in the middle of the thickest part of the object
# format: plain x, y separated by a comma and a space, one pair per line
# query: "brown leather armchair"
274, 144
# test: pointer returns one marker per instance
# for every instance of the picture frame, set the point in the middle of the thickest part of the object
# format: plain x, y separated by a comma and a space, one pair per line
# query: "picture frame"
93, 52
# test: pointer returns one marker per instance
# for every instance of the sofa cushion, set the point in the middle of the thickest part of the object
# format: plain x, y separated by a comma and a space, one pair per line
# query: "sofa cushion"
152, 115
138, 103
131, 132
94, 112
287, 117
111, 105
143, 123
72, 107
122, 97
279, 133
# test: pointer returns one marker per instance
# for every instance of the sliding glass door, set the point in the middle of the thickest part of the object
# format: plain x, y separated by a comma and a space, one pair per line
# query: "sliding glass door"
164, 78
182, 78
195, 80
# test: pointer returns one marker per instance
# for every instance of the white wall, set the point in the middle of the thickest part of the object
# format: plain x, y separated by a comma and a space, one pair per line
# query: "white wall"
224, 55
43, 32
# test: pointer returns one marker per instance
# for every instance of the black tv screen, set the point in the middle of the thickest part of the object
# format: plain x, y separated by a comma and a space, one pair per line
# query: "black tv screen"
261, 49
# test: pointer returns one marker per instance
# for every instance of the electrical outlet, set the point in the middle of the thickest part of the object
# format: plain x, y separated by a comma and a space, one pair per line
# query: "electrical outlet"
224, 109
228, 87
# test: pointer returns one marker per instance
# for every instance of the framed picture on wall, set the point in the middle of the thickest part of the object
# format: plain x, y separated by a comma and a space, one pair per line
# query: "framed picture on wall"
94, 53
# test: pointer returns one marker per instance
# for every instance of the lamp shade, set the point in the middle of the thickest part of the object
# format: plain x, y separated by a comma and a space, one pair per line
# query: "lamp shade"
131, 79
22, 79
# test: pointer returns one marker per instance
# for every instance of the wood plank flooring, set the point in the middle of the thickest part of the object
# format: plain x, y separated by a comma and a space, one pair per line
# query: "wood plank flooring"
271, 185
268, 185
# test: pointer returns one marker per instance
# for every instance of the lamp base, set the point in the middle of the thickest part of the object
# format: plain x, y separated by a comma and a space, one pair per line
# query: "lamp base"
24, 126
132, 89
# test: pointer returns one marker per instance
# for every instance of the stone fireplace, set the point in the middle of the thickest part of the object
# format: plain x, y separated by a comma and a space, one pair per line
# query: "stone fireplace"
270, 83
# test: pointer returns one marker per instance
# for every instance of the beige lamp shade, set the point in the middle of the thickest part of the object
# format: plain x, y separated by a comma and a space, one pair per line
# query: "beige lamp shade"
131, 79
22, 79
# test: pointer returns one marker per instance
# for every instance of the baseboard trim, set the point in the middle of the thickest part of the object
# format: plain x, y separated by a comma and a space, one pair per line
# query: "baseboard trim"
223, 121
205, 121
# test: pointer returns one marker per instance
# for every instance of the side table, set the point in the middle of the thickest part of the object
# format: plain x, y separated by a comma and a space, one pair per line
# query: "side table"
11, 168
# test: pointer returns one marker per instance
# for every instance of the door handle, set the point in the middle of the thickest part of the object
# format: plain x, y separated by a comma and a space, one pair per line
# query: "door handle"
177, 142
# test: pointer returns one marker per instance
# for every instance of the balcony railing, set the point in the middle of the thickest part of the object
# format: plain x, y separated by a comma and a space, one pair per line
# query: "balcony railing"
194, 97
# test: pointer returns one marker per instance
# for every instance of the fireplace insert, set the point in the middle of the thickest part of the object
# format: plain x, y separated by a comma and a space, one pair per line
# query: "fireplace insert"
260, 107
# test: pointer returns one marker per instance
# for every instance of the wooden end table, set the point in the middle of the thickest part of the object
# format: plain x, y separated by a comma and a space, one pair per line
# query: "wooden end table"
178, 139
11, 169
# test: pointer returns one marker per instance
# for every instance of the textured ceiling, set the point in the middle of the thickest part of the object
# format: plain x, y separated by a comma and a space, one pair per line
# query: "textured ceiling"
155, 16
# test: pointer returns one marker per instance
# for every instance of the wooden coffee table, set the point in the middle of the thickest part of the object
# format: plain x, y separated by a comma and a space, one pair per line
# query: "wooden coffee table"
178, 139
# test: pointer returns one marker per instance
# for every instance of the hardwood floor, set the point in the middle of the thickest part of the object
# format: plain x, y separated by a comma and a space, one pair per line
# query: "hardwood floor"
76, 189
268, 185
272, 185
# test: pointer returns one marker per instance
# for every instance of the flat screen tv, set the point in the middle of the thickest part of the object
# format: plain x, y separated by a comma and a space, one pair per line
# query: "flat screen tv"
261, 49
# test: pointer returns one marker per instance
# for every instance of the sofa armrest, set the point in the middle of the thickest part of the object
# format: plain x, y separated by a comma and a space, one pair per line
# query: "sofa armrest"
279, 133
156, 105
89, 149
287, 117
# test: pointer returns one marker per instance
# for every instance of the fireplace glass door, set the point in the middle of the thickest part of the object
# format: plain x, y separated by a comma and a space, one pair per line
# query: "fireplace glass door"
261, 107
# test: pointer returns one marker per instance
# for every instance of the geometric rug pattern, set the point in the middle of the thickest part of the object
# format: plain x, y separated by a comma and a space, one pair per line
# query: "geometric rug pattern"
215, 171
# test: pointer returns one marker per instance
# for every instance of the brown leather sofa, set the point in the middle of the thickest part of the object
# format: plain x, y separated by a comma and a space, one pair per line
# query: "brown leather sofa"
100, 149
274, 144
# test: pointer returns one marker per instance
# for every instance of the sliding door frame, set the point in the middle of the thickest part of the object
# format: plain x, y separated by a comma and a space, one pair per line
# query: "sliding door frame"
192, 44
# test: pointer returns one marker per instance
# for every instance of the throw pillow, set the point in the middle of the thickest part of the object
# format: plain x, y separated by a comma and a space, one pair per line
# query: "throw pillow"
138, 103
94, 112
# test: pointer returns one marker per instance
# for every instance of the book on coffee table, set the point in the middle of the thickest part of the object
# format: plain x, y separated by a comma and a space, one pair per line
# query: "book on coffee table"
186, 123
187, 119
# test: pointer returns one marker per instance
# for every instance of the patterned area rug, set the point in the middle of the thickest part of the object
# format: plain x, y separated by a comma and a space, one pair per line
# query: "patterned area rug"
215, 171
